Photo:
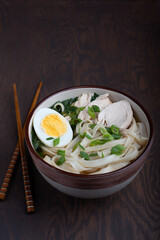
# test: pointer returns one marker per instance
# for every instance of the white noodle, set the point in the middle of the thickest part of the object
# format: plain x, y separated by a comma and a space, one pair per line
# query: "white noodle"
133, 139
111, 168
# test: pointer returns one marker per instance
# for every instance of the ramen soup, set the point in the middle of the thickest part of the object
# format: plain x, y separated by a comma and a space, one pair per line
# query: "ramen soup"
88, 134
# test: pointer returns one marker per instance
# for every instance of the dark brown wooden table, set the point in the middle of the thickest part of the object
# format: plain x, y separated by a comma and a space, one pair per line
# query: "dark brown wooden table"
68, 43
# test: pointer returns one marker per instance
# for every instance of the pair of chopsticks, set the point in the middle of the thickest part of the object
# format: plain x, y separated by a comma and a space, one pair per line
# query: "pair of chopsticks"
20, 147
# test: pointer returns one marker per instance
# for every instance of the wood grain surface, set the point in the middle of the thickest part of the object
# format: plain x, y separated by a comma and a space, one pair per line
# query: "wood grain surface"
68, 43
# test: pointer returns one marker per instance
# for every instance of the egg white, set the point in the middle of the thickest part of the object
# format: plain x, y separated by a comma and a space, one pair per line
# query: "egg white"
39, 116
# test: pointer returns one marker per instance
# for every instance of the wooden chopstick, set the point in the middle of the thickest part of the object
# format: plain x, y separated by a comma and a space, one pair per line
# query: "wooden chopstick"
27, 187
12, 164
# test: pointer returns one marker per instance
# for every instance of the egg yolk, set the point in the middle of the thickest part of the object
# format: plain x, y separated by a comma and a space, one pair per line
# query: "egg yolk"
53, 125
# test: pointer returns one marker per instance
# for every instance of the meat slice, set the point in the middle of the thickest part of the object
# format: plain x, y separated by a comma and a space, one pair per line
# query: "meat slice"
83, 100
119, 114
102, 101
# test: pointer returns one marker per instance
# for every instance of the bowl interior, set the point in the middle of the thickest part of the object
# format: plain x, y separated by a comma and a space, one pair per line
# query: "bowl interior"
74, 92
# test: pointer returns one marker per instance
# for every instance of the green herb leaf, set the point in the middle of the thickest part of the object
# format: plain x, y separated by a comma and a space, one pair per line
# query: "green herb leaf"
84, 155
117, 149
92, 125
115, 130
82, 147
67, 104
93, 154
56, 141
74, 120
94, 97
91, 112
61, 160
98, 142
61, 152
36, 141
69, 110
75, 146
49, 138
95, 108
40, 153
73, 108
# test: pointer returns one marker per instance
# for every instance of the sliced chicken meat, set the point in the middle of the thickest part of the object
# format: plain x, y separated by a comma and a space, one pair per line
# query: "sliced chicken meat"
83, 100
102, 101
119, 114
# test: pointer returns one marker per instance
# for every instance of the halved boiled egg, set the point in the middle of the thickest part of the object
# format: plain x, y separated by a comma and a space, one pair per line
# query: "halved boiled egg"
49, 125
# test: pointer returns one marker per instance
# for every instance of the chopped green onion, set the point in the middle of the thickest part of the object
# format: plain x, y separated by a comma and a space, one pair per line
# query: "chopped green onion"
75, 146
92, 125
106, 134
108, 129
109, 137
88, 136
84, 155
115, 130
82, 135
91, 112
117, 149
61, 160
102, 155
56, 141
85, 135
81, 147
58, 106
49, 138
93, 154
103, 131
98, 142
61, 152
95, 108
116, 136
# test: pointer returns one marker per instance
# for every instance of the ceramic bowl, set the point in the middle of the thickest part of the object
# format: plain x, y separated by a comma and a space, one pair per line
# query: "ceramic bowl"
90, 186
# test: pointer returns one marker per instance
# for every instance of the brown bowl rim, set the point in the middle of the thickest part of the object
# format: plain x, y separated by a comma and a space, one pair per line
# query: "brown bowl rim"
95, 176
